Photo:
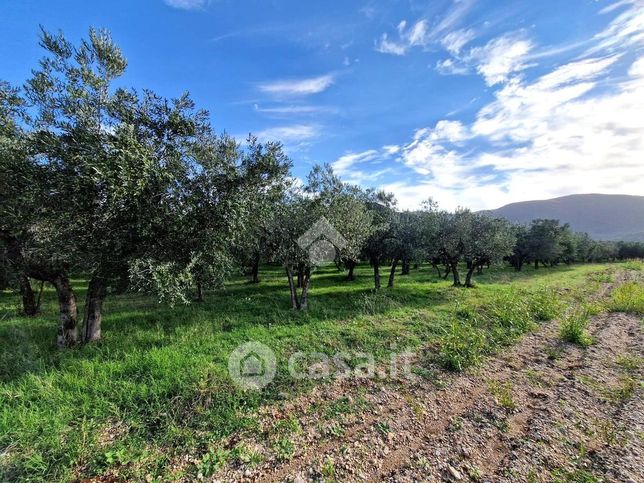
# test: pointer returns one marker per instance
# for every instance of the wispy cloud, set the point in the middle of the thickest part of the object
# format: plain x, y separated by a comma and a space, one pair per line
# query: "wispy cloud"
342, 166
553, 131
451, 67
294, 109
626, 30
295, 133
420, 34
187, 4
501, 57
456, 40
353, 166
298, 87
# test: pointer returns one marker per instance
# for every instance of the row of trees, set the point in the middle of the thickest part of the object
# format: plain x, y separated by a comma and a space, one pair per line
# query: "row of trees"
139, 193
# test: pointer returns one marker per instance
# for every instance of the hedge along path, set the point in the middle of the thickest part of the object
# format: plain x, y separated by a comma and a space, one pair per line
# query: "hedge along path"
531, 412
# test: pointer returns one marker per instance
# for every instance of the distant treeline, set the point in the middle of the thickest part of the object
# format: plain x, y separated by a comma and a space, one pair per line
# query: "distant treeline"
138, 192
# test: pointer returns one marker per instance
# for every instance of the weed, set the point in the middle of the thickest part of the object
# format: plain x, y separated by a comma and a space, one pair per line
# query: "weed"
573, 328
461, 347
284, 449
636, 265
335, 430
629, 298
212, 461
417, 408
607, 431
624, 391
536, 378
328, 468
246, 456
502, 392
602, 276
474, 473
544, 305
629, 362
424, 463
289, 425
455, 423
574, 476
553, 352
383, 428
375, 302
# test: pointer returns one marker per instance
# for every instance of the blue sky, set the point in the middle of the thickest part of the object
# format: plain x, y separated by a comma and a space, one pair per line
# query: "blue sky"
472, 103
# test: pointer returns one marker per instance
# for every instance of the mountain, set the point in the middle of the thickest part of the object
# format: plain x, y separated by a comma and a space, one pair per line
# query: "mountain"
603, 217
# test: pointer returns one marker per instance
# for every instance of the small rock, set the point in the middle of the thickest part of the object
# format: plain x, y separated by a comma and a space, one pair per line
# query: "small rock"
454, 472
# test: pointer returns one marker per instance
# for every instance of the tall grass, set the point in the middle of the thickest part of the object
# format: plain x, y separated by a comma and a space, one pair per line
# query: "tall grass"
629, 298
573, 328
480, 329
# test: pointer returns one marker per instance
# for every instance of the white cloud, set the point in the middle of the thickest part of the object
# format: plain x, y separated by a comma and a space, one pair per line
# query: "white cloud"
391, 149
348, 165
456, 40
187, 4
289, 134
293, 109
626, 30
500, 57
451, 67
342, 166
420, 34
553, 136
298, 87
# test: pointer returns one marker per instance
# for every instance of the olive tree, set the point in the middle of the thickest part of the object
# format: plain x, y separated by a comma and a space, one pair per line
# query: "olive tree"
488, 240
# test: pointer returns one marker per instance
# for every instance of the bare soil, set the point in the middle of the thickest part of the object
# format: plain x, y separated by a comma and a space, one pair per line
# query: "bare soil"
541, 411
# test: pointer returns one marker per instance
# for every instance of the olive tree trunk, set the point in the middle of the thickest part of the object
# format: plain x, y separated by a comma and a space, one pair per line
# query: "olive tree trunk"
68, 328
376, 273
351, 265
392, 273
29, 305
457, 278
254, 274
299, 301
93, 309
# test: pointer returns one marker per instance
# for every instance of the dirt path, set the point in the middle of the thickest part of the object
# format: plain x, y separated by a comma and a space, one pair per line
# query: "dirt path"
542, 411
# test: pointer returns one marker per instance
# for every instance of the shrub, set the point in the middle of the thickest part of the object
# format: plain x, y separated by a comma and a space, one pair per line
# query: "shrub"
573, 328
628, 298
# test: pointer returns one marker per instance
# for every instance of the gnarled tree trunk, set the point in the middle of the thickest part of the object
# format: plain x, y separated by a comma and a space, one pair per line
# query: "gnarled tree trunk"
254, 274
29, 305
457, 279
392, 273
406, 266
93, 309
468, 276
68, 328
299, 301
351, 265
376, 273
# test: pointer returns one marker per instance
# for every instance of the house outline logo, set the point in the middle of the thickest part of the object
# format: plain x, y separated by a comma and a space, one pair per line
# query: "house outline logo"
252, 365
321, 241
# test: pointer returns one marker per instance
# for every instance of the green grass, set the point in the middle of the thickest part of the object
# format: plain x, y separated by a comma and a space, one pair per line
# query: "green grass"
629, 298
573, 328
157, 387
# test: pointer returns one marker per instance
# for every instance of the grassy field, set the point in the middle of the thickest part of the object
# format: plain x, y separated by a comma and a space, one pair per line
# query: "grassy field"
157, 386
